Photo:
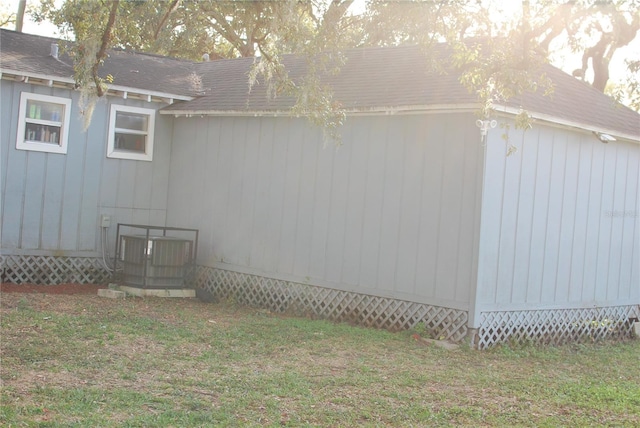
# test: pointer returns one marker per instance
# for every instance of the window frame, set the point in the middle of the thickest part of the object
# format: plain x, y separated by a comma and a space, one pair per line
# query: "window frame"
115, 153
22, 143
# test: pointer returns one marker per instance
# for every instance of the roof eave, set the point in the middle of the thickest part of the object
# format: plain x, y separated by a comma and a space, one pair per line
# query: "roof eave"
568, 123
416, 109
369, 111
69, 83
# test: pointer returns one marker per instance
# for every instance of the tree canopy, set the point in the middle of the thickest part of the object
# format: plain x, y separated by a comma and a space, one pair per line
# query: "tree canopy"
496, 53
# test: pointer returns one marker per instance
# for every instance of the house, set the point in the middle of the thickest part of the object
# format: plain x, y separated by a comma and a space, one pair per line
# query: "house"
416, 218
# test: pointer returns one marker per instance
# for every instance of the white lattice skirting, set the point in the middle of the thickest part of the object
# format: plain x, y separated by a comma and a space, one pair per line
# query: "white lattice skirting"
556, 326
52, 270
361, 309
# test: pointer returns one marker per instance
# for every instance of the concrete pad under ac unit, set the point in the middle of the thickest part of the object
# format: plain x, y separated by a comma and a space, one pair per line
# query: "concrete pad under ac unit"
111, 294
152, 292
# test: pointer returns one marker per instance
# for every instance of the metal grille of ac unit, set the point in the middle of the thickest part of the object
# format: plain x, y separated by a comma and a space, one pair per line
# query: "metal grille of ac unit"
155, 261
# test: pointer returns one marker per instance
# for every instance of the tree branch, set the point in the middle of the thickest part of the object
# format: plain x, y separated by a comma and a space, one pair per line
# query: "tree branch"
602, 52
172, 8
102, 52
225, 30
22, 5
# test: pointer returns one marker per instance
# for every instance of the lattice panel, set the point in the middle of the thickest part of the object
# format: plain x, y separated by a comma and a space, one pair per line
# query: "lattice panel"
52, 270
300, 299
556, 326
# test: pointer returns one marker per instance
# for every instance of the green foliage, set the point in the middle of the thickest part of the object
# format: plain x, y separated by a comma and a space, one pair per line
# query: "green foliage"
628, 92
7, 17
499, 56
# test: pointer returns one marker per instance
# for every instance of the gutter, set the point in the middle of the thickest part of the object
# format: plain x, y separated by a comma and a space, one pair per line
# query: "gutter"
506, 110
373, 111
501, 110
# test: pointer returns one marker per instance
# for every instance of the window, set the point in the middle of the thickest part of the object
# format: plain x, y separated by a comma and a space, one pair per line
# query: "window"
130, 133
43, 124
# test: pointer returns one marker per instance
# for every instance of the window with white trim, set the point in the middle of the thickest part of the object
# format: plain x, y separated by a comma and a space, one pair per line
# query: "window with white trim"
43, 124
131, 133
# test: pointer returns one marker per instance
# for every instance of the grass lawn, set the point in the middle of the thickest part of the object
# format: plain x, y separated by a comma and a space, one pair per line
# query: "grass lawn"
81, 360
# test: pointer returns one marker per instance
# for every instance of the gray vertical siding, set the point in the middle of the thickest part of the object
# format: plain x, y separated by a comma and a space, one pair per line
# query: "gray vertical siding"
391, 212
51, 203
559, 222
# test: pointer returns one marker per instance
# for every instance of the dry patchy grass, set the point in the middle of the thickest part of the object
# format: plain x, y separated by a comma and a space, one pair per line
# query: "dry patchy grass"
85, 361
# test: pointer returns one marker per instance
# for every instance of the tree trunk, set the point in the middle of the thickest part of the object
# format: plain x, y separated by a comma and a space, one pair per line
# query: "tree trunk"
22, 5
102, 53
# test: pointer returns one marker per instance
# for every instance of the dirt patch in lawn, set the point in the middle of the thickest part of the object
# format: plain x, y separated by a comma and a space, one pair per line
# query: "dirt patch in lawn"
51, 289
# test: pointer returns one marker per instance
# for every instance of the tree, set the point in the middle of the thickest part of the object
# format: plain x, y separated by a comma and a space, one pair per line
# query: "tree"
596, 29
6, 18
593, 28
222, 28
628, 92
15, 17
497, 59
22, 4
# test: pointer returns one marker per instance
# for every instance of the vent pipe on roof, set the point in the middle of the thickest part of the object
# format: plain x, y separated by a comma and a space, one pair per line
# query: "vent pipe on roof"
205, 57
54, 50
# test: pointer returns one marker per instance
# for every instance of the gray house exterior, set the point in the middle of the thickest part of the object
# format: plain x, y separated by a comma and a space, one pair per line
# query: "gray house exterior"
414, 219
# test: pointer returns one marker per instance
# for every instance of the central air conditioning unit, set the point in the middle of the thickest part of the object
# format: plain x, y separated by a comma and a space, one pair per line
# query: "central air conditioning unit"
155, 261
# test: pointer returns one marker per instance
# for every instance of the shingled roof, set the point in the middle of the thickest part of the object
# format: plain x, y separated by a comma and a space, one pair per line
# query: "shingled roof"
30, 55
393, 79
397, 79
372, 79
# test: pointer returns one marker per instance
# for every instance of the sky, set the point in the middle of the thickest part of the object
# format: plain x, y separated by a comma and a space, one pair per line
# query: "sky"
28, 26
566, 61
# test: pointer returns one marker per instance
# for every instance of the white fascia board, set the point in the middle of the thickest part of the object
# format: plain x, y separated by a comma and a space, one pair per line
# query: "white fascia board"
147, 93
226, 113
373, 111
415, 109
69, 81
566, 123
43, 77
418, 109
